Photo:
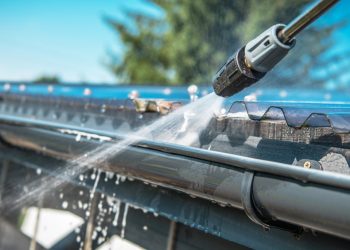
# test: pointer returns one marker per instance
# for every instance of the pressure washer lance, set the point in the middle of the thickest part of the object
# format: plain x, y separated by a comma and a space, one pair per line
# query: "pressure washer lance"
250, 63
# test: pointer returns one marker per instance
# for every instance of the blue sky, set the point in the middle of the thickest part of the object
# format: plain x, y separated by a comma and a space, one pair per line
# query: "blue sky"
70, 39
63, 37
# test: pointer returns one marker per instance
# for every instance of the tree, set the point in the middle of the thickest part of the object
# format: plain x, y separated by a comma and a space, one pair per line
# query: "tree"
194, 38
53, 79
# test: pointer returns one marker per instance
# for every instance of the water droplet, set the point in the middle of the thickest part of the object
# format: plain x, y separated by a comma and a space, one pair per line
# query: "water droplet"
77, 230
100, 240
104, 232
81, 192
95, 184
38, 171
103, 108
122, 178
81, 177
78, 137
145, 228
117, 179
61, 195
110, 175
64, 204
126, 209
78, 238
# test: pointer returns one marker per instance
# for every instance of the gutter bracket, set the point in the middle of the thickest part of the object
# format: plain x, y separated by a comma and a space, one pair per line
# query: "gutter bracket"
250, 208
247, 201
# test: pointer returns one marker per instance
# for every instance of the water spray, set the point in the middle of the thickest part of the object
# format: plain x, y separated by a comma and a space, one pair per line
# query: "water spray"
250, 63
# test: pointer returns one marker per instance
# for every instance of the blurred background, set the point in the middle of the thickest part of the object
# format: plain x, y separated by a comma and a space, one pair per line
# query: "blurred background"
163, 42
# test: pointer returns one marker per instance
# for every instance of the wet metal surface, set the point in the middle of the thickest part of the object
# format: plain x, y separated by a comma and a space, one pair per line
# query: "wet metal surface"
225, 222
218, 179
62, 127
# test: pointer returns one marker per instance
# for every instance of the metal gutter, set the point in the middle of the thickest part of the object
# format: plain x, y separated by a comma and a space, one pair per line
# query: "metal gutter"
245, 163
316, 200
224, 222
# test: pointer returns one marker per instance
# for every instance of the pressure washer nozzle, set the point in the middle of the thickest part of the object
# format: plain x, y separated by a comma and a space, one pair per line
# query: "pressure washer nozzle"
250, 63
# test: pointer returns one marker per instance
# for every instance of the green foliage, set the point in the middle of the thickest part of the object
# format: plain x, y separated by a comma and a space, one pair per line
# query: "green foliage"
145, 59
195, 37
53, 79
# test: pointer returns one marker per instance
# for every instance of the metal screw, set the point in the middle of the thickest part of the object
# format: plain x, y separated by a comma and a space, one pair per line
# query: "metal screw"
307, 164
22, 87
192, 91
87, 92
50, 88
7, 87
134, 94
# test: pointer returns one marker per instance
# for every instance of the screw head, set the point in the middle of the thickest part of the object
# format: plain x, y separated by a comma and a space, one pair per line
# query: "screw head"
307, 164
22, 87
7, 87
134, 94
87, 92
50, 88
192, 89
